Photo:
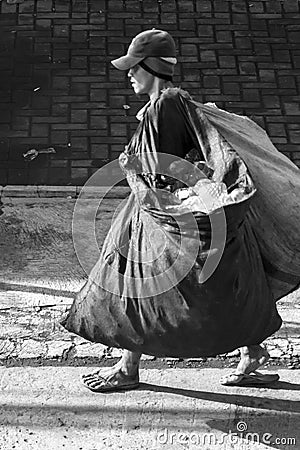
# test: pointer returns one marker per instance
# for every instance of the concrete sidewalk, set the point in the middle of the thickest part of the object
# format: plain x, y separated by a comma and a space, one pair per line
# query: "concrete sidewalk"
44, 191
48, 408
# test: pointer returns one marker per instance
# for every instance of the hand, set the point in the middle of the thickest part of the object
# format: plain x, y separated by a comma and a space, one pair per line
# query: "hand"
130, 163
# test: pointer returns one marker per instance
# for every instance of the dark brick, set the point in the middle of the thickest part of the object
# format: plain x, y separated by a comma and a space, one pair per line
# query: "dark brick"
189, 49
185, 6
60, 109
99, 151
115, 24
227, 61
27, 7
224, 36
117, 101
276, 130
20, 123
59, 163
79, 175
59, 6
59, 137
25, 19
169, 5
97, 5
291, 6
168, 18
69, 126
296, 61
258, 25
60, 82
79, 36
282, 56
40, 102
247, 68
273, 6
79, 61
98, 95
82, 163
294, 136
271, 101
116, 150
267, 75
60, 30
69, 98
118, 130
251, 95
240, 19
59, 175
211, 82
239, 6
96, 18
79, 116
205, 30
294, 36
231, 88
207, 55
8, 9
39, 130
191, 75
97, 122
79, 143
186, 24
220, 5
75, 154
242, 43
80, 6
80, 89
292, 109
262, 49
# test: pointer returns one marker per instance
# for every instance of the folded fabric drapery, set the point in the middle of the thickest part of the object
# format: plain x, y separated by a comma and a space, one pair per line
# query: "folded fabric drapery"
274, 213
176, 281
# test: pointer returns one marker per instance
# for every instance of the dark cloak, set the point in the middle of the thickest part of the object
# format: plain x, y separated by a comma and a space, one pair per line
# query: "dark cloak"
153, 289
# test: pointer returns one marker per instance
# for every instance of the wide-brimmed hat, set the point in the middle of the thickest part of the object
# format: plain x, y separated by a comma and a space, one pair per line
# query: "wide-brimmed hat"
149, 43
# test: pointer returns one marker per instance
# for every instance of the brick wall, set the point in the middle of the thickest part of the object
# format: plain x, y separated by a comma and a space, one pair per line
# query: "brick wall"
59, 90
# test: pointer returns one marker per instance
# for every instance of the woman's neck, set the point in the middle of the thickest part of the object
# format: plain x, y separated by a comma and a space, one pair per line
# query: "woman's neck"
158, 85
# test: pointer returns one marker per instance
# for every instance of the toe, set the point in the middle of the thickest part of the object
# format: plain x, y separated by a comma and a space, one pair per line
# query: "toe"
88, 376
232, 378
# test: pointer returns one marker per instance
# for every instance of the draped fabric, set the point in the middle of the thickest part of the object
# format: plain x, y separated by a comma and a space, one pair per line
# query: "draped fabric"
275, 210
183, 270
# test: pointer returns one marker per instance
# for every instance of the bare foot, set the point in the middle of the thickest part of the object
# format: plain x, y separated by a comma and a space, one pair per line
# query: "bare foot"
123, 375
103, 371
252, 358
111, 379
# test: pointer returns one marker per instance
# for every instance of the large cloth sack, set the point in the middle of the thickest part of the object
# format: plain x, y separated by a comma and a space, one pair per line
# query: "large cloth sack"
140, 295
274, 213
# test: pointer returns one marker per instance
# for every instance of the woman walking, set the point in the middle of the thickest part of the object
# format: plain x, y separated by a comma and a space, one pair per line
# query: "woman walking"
181, 272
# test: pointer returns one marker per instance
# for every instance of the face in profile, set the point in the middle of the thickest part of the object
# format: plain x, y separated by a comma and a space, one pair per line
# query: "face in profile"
141, 81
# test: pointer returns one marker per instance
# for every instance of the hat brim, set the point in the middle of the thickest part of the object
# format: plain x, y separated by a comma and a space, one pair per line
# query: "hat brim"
126, 62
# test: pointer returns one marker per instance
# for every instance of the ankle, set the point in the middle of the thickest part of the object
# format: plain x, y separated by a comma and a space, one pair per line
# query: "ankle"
130, 371
252, 351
